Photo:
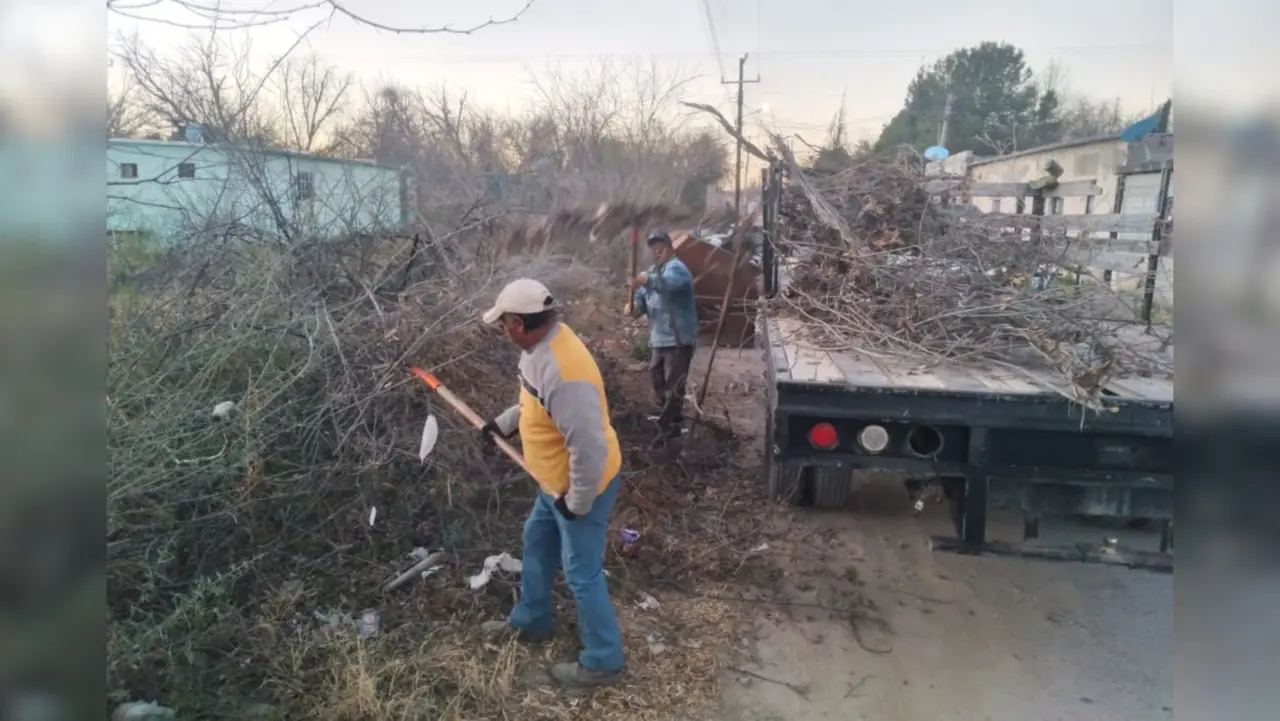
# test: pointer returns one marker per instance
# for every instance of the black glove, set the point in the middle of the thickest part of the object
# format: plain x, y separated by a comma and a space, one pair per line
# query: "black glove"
488, 432
563, 507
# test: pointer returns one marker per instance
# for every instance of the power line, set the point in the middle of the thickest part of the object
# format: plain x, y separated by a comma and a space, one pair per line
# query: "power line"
808, 54
711, 33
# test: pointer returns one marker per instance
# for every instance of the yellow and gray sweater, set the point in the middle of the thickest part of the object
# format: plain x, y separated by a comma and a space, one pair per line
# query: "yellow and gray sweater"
563, 418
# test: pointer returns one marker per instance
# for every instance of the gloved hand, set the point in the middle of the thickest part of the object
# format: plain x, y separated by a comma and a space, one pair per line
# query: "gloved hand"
563, 507
490, 431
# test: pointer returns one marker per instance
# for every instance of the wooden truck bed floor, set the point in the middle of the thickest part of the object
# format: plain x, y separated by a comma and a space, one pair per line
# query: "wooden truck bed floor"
797, 360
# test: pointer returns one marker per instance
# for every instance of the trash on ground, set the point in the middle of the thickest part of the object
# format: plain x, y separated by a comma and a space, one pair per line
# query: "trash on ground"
142, 711
421, 554
761, 548
630, 539
373, 515
430, 434
224, 409
369, 622
366, 625
647, 602
656, 646
502, 561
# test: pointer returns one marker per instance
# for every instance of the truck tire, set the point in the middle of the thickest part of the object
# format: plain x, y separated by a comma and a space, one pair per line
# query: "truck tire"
785, 482
830, 486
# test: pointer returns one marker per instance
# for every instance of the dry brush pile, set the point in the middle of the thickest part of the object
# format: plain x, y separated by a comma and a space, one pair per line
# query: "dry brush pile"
882, 266
239, 541
239, 537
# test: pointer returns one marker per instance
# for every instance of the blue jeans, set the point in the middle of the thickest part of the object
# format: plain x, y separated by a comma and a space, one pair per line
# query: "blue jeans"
551, 540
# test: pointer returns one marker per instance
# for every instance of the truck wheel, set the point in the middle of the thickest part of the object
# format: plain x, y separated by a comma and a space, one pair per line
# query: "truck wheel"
830, 486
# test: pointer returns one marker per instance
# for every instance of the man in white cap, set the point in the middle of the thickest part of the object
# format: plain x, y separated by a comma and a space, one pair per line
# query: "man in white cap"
572, 451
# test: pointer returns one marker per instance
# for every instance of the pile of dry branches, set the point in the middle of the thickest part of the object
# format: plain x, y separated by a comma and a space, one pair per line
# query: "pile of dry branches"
882, 266
260, 408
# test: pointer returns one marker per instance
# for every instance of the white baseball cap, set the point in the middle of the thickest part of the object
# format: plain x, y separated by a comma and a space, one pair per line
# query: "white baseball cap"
522, 296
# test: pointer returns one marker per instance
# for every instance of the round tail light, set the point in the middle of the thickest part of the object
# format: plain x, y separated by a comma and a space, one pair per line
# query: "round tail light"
873, 439
823, 436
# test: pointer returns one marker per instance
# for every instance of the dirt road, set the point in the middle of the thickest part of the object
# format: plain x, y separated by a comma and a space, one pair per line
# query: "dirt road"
941, 636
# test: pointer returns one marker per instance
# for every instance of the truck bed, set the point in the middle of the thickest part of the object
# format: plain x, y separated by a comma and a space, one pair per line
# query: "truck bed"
795, 360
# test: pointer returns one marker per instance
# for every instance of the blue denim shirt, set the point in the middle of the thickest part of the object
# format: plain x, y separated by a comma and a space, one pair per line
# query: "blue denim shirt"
666, 295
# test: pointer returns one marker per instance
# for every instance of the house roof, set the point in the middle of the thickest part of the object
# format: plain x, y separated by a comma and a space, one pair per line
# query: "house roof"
281, 152
1047, 149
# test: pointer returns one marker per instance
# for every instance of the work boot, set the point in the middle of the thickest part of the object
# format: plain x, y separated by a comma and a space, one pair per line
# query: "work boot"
500, 629
573, 674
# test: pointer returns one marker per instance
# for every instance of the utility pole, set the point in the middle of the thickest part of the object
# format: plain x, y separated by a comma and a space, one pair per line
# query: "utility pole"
946, 119
737, 173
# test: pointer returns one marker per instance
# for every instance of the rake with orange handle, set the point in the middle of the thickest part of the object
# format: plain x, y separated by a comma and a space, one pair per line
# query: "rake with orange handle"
469, 415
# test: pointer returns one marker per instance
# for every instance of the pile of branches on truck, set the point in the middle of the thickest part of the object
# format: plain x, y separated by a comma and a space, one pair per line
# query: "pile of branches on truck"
879, 262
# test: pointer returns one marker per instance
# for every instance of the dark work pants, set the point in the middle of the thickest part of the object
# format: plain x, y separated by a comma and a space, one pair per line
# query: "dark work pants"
668, 371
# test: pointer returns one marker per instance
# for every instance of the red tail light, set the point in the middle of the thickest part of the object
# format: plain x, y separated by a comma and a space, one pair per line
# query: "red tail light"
823, 436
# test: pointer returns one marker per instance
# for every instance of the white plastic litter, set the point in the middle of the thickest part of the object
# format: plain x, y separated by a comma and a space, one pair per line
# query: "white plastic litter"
647, 602
761, 548
421, 554
224, 409
502, 561
430, 434
369, 623
373, 515
142, 711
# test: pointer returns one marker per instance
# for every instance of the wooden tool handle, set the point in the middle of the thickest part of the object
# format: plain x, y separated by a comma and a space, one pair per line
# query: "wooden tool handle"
469, 415
635, 246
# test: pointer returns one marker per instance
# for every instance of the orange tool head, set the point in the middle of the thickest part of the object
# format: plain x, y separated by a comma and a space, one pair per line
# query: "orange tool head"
431, 381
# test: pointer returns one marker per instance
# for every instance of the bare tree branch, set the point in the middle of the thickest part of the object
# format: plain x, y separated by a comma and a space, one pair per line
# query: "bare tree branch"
194, 15
311, 93
125, 117
747, 145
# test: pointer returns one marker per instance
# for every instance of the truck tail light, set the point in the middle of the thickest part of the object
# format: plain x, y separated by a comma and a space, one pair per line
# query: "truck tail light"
823, 436
873, 439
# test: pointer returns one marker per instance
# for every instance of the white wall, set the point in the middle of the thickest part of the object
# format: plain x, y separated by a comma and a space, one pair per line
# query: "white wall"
1097, 161
244, 188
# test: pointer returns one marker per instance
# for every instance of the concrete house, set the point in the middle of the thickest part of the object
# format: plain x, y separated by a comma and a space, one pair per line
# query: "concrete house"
1130, 176
173, 190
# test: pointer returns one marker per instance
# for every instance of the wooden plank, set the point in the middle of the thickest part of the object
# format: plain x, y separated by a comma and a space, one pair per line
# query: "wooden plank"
859, 371
917, 379
1099, 223
813, 366
1119, 262
1150, 389
960, 378
999, 380
1068, 189
1090, 247
805, 363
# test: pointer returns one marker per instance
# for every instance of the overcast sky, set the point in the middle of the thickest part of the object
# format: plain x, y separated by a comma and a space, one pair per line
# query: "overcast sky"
806, 52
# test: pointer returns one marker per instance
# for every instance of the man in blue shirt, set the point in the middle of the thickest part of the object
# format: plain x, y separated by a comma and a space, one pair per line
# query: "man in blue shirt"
664, 293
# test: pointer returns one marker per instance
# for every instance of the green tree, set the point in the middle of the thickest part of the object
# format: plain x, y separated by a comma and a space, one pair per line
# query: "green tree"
995, 108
